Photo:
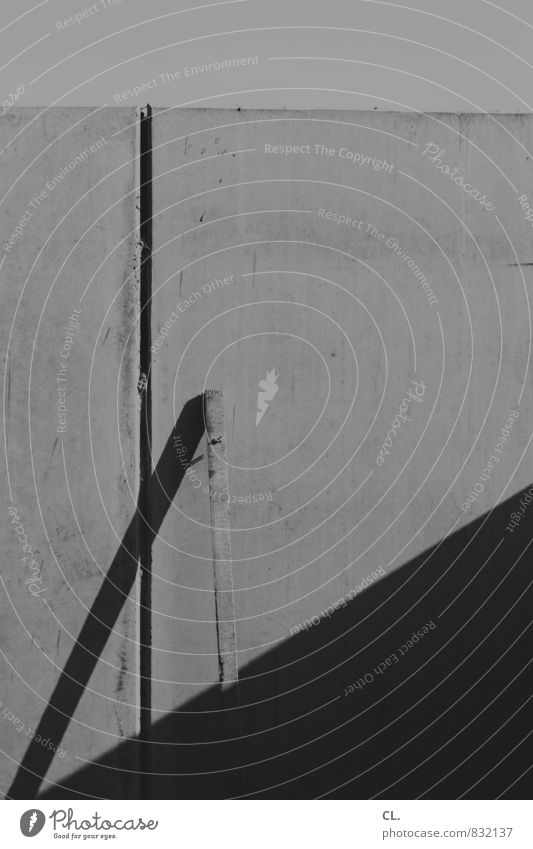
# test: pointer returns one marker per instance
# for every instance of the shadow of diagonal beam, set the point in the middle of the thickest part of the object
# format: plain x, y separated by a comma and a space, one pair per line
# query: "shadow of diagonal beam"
157, 492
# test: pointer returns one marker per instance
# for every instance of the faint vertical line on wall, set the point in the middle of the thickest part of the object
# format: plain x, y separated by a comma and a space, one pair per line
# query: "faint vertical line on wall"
215, 427
145, 449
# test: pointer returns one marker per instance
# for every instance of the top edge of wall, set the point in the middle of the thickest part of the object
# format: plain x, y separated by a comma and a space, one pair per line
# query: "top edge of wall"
281, 110
312, 110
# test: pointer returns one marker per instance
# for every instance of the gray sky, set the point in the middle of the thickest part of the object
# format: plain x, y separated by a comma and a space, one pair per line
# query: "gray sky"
436, 56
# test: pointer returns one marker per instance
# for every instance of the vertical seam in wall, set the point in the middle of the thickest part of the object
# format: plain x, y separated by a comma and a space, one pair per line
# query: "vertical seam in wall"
145, 446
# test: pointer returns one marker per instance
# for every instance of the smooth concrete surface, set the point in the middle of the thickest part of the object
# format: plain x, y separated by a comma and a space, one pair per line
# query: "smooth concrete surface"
248, 200
261, 286
71, 474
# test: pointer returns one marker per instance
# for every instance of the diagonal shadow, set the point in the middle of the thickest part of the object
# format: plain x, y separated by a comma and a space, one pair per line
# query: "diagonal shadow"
157, 492
437, 722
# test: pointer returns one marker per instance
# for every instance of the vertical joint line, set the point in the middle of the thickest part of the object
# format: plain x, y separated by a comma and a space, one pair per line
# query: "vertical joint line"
145, 446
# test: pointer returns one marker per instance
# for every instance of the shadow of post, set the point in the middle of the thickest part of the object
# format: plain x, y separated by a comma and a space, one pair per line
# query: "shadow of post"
158, 492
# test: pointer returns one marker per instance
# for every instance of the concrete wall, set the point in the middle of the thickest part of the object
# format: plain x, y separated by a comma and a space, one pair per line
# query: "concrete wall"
427, 291
349, 328
423, 295
71, 475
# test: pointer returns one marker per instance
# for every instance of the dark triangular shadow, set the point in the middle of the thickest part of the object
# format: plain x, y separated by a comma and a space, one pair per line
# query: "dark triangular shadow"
437, 722
158, 492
